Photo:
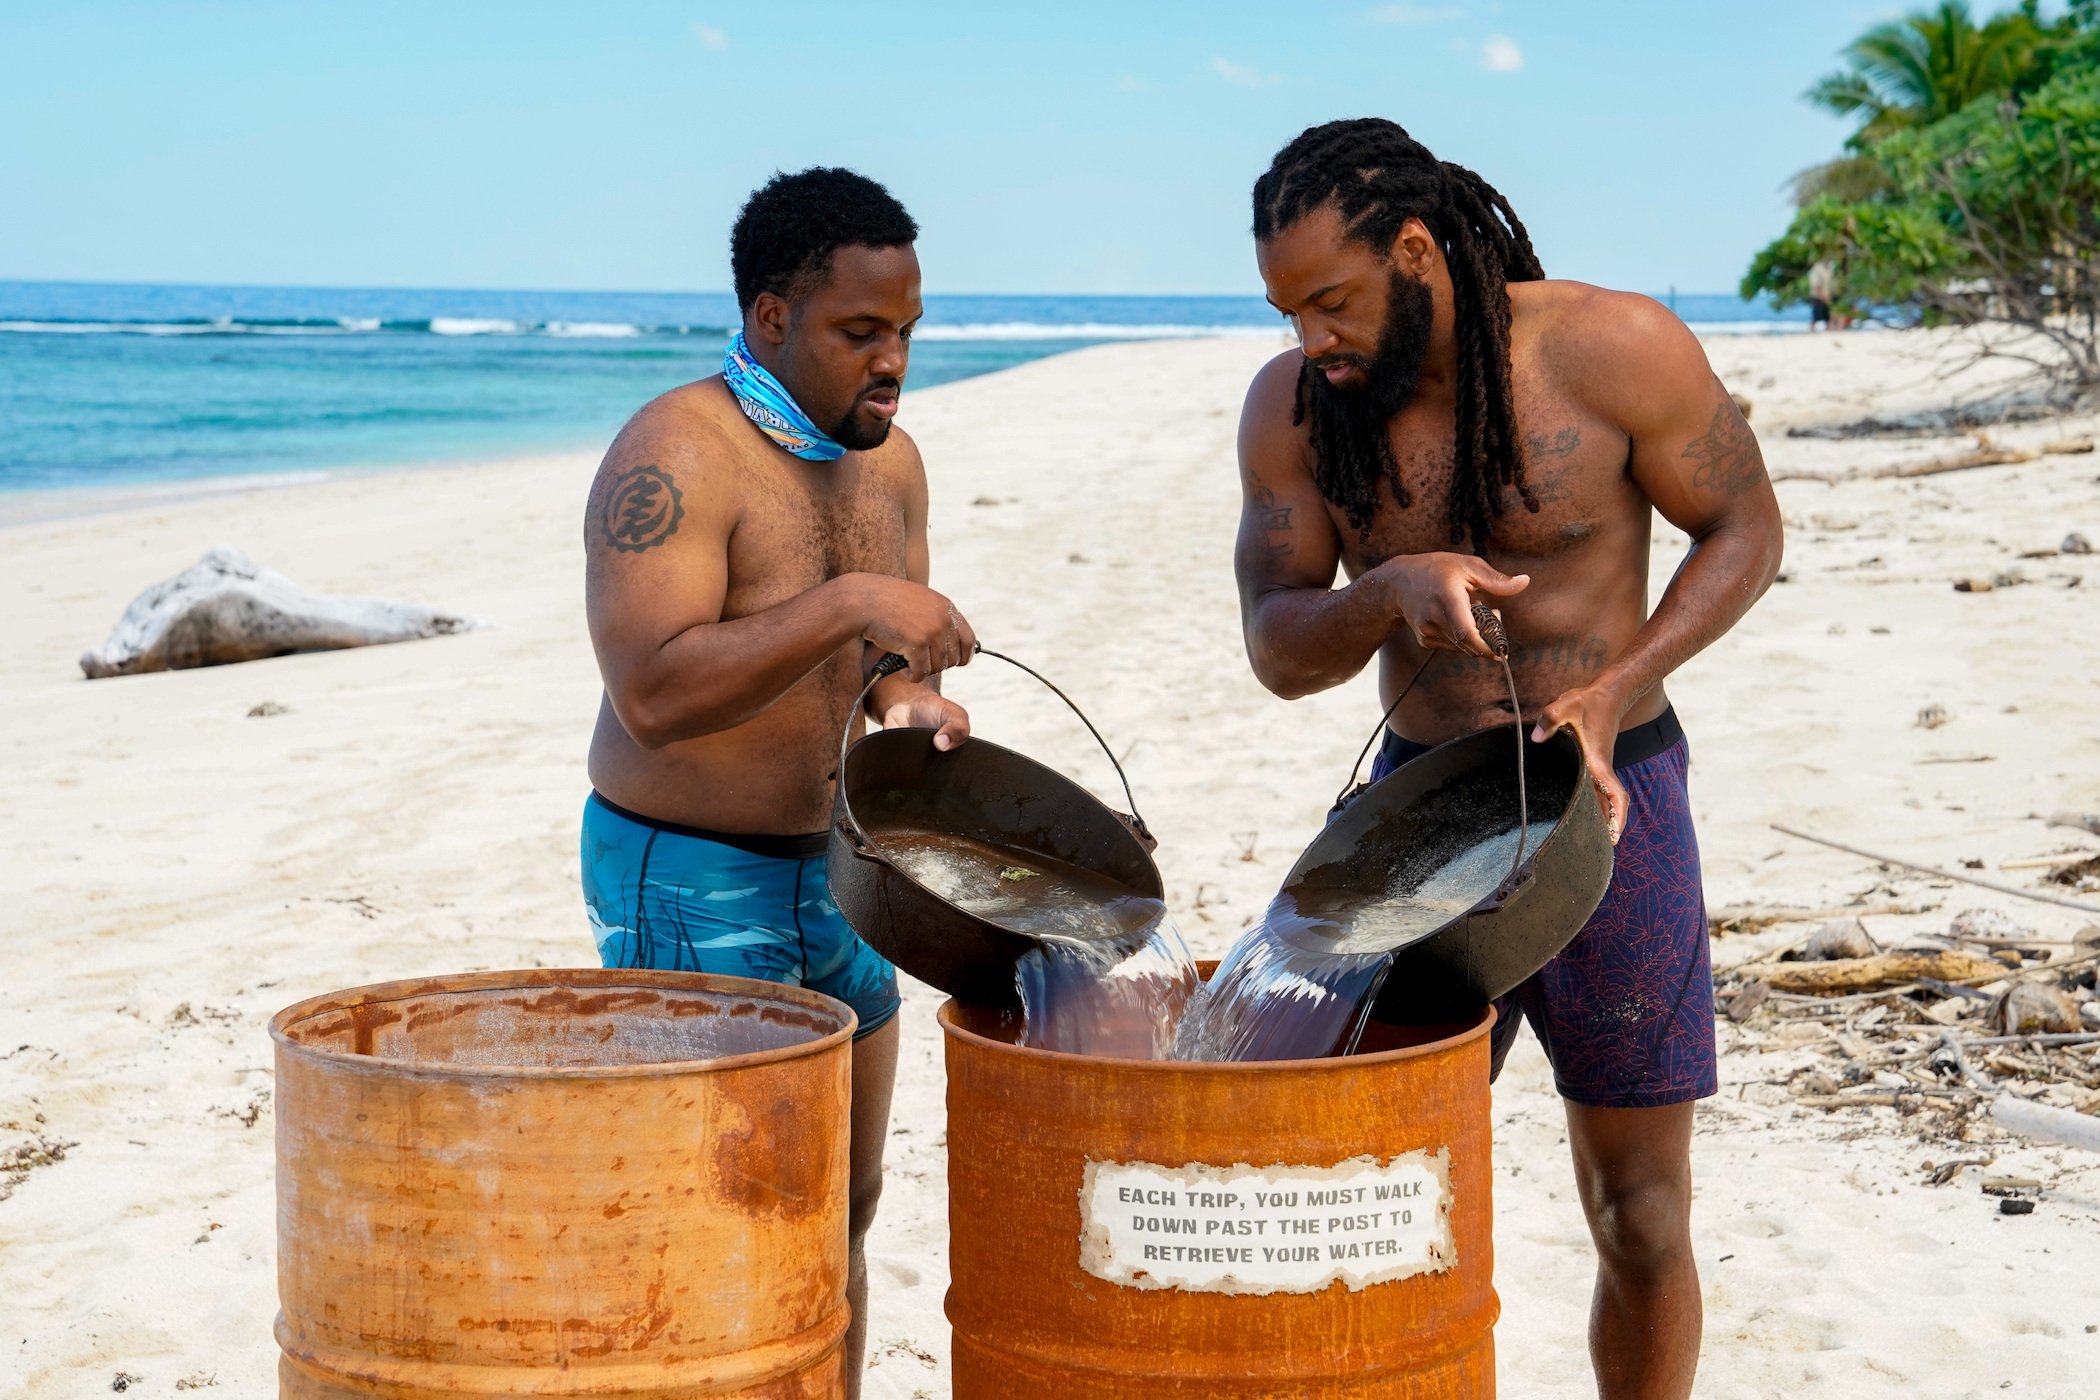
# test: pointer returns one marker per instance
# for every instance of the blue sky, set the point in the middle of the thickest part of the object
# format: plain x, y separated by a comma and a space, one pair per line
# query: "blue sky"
1075, 147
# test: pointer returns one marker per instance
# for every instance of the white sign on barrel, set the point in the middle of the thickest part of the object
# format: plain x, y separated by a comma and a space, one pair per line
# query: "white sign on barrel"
1275, 1229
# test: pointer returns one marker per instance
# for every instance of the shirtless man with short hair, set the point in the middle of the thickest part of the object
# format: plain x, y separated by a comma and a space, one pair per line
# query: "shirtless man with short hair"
753, 542
1457, 429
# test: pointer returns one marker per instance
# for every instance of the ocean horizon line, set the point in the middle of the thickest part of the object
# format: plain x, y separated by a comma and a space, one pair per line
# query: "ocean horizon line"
120, 383
171, 309
427, 289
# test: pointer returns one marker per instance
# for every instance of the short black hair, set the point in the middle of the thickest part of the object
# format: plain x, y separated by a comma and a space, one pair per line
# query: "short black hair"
785, 234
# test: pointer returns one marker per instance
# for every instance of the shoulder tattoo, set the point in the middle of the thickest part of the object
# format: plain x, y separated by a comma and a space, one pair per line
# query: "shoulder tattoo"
642, 510
1726, 454
1272, 520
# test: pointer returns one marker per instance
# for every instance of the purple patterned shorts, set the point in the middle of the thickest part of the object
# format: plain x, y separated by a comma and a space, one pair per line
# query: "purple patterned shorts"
1626, 1011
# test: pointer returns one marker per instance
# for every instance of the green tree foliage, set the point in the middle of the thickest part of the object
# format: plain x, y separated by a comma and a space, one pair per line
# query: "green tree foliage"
1961, 212
1914, 71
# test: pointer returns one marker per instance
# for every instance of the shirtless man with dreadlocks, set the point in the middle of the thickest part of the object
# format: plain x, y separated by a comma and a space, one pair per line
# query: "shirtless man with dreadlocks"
1457, 429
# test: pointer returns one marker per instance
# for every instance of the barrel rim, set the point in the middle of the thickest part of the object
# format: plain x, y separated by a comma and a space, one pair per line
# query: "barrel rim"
545, 978
955, 1031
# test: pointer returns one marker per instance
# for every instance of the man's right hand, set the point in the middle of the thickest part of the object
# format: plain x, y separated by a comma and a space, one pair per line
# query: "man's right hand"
920, 625
1433, 595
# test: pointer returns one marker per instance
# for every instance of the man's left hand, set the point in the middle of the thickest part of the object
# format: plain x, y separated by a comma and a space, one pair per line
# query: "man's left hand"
1593, 715
929, 709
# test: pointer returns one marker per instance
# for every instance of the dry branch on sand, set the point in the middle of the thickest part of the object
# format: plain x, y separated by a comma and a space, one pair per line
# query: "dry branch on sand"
1881, 970
1998, 1033
1985, 453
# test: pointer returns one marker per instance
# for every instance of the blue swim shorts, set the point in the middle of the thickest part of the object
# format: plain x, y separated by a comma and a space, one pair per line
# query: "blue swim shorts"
687, 900
1626, 1011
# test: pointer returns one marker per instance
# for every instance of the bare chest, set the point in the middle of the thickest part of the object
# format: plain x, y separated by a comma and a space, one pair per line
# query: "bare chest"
801, 528
1574, 469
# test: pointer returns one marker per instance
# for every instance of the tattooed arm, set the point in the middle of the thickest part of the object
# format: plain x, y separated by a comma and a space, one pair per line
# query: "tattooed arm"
656, 547
1698, 462
1303, 634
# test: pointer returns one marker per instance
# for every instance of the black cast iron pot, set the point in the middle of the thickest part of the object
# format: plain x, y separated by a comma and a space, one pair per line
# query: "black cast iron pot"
896, 780
1431, 810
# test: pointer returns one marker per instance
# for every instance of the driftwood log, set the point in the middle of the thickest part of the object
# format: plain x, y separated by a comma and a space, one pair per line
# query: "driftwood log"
2017, 1115
1881, 970
227, 608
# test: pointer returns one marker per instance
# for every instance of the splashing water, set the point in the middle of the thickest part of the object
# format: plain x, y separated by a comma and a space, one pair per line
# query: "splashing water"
1301, 983
1104, 999
1109, 974
1281, 995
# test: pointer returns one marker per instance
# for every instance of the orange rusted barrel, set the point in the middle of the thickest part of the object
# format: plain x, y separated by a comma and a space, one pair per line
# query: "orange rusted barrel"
591, 1182
1309, 1228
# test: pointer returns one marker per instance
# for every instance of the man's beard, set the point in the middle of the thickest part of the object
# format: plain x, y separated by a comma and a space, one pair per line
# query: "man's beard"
854, 435
1394, 370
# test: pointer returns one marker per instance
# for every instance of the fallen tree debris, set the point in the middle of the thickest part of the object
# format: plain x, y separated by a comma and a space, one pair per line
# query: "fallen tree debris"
1938, 422
1997, 1034
1840, 938
2018, 1115
1881, 970
226, 608
1982, 455
2058, 861
2033, 1007
1960, 462
1935, 871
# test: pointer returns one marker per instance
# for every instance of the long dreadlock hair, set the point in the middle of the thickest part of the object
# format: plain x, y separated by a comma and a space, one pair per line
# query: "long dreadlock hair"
1378, 177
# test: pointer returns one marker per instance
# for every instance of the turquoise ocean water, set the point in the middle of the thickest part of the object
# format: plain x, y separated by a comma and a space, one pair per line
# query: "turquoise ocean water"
105, 384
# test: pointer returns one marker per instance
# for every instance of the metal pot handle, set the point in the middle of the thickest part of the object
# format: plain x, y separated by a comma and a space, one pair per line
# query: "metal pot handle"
1137, 821
1351, 788
889, 665
1490, 626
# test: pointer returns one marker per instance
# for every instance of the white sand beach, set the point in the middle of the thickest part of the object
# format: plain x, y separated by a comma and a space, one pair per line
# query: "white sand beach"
177, 868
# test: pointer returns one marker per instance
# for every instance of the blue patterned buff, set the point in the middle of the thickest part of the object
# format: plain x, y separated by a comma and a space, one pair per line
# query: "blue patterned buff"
766, 402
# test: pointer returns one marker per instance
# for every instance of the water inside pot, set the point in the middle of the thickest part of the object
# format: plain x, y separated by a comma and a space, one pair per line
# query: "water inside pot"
1024, 891
1425, 889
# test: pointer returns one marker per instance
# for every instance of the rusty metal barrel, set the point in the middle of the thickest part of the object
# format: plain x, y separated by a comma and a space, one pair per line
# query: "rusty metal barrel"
574, 1182
1310, 1228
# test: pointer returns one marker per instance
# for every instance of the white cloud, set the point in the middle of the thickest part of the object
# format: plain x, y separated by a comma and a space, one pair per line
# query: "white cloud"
1500, 54
1417, 14
1241, 75
710, 37
1130, 83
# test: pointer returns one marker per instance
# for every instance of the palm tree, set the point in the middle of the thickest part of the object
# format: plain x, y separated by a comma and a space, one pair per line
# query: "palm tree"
1911, 72
1916, 70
